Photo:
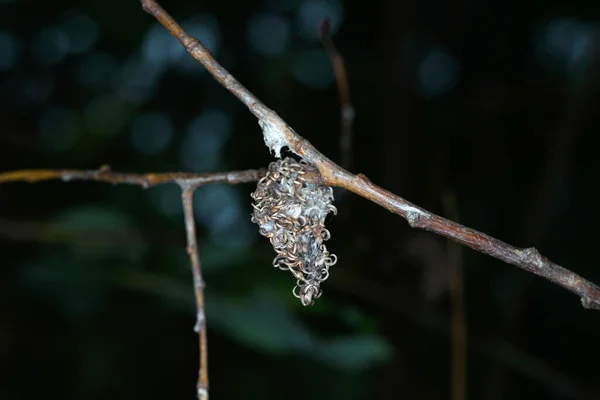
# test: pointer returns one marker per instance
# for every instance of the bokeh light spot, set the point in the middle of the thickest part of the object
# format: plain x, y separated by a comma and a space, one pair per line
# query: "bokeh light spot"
9, 51
437, 73
160, 47
219, 209
97, 69
51, 45
151, 133
82, 31
313, 68
268, 34
566, 42
138, 79
201, 149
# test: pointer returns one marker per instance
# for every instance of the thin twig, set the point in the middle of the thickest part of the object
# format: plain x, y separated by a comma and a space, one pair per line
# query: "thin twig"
187, 197
188, 182
104, 174
458, 378
347, 110
277, 134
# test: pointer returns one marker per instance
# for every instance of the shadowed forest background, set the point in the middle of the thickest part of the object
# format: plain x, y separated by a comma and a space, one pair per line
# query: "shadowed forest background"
494, 103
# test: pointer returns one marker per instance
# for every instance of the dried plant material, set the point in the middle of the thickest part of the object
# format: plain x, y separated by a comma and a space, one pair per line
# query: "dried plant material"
290, 210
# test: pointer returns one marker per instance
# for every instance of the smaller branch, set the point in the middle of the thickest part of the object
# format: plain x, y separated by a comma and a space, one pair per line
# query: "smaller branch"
187, 197
104, 174
347, 110
188, 182
496, 349
457, 297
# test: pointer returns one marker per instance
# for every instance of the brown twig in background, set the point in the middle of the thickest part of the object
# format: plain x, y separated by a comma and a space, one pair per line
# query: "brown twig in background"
277, 134
187, 196
104, 174
494, 348
347, 111
561, 149
458, 370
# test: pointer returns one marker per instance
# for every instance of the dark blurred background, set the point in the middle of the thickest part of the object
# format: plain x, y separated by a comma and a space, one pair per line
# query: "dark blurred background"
491, 103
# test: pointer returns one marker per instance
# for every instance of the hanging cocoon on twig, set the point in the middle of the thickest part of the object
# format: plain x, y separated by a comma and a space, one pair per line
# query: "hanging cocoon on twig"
290, 209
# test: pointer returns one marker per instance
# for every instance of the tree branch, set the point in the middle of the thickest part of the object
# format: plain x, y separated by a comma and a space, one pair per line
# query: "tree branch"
458, 319
277, 134
188, 182
346, 109
187, 196
104, 174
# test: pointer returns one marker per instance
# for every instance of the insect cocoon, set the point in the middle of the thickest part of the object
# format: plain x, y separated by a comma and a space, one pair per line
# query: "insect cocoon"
290, 210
